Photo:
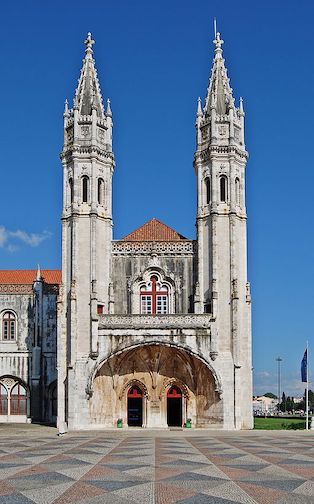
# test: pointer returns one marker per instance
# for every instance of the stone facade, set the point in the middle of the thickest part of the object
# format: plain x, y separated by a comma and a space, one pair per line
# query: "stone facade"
28, 338
153, 330
120, 341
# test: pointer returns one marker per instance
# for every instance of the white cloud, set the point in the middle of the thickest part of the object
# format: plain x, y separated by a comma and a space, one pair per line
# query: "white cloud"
3, 236
265, 381
263, 374
30, 239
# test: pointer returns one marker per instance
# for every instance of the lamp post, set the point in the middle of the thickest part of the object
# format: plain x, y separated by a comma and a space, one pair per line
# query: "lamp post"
279, 360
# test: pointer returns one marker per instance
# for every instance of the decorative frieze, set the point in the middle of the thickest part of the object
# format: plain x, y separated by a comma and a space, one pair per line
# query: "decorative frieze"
188, 321
147, 248
16, 289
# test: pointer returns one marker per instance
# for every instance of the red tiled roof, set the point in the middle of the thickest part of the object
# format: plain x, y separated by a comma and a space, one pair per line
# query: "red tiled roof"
28, 276
154, 230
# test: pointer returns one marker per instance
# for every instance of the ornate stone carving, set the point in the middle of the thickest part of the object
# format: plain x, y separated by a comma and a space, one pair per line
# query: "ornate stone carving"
69, 134
146, 248
131, 383
189, 321
222, 130
8, 382
153, 261
101, 135
16, 289
85, 131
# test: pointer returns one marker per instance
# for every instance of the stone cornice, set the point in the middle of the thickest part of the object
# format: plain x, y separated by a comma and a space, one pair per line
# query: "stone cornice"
177, 321
83, 150
212, 150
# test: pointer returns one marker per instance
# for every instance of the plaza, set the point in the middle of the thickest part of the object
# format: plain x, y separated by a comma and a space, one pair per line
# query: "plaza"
155, 466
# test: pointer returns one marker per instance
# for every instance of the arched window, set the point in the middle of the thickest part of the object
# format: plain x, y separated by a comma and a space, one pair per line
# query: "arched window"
154, 297
3, 400
18, 400
223, 188
71, 189
9, 326
237, 191
85, 188
101, 190
208, 190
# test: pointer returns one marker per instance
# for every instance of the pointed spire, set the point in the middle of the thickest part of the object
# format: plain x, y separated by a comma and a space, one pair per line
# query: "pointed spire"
66, 112
241, 109
218, 43
108, 111
88, 94
38, 274
219, 93
89, 42
199, 112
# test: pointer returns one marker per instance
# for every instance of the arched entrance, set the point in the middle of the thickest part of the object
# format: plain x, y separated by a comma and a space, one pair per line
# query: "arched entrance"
135, 407
174, 407
154, 369
14, 400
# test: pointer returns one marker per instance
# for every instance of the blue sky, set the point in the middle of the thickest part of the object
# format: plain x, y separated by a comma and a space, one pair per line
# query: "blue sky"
153, 61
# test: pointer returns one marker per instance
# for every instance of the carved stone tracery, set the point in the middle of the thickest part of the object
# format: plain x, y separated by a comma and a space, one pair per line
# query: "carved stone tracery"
147, 248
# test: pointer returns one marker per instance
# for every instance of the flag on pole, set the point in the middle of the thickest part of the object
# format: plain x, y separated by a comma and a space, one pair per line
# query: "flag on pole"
304, 367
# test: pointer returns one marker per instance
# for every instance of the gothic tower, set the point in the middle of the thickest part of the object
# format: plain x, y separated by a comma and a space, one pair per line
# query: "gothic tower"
222, 288
88, 164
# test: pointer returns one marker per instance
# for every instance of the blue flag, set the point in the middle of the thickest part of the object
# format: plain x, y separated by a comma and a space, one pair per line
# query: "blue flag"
304, 367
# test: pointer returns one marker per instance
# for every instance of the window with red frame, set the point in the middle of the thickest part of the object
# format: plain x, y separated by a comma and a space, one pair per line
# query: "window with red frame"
18, 400
3, 400
100, 309
154, 297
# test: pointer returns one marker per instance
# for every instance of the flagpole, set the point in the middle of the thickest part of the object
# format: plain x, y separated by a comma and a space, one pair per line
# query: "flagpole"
307, 385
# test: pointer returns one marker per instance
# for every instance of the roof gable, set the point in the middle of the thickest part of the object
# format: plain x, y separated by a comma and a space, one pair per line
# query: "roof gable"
154, 230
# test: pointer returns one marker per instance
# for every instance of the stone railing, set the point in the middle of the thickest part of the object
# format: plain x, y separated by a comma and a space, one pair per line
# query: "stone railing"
188, 321
180, 247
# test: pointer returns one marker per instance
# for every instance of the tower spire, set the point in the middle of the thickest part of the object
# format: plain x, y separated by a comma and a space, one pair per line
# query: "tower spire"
219, 92
88, 93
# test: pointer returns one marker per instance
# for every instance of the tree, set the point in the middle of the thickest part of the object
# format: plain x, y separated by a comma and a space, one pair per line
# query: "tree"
282, 405
289, 404
270, 395
311, 400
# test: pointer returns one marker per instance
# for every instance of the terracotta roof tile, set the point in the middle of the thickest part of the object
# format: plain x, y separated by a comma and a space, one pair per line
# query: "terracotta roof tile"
28, 276
154, 230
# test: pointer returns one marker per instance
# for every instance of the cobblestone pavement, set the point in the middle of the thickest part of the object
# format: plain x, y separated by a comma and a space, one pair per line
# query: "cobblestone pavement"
155, 467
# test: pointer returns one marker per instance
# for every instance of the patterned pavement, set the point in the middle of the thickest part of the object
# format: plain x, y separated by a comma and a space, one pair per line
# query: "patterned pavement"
155, 467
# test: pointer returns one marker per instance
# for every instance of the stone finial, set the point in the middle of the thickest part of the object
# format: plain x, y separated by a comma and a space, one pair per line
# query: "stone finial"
218, 43
199, 108
108, 111
75, 102
38, 274
89, 42
241, 109
66, 109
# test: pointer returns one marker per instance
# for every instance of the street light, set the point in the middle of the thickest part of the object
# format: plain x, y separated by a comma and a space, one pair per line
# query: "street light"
279, 360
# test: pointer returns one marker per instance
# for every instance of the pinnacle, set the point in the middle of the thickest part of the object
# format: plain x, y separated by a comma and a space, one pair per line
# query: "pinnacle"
88, 94
219, 94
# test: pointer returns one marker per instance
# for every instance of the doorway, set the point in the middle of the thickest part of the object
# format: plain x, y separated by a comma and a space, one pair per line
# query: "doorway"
135, 407
174, 407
